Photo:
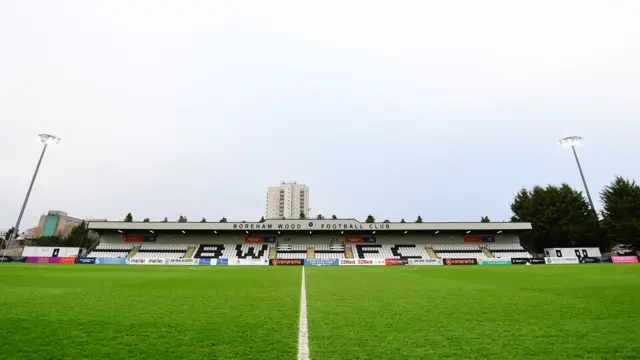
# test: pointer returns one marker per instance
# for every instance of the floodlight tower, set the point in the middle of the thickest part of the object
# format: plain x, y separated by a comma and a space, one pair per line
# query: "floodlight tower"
572, 142
46, 140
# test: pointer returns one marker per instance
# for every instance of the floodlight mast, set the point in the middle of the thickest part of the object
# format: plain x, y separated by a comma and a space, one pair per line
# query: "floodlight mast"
573, 141
46, 140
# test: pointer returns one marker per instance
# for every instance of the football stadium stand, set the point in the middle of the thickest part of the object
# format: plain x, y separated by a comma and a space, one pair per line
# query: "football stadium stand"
292, 251
162, 251
390, 251
233, 251
459, 251
508, 251
329, 251
309, 239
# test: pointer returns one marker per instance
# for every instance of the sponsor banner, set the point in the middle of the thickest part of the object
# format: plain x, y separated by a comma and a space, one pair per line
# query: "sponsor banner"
460, 261
85, 260
41, 260
138, 238
182, 262
279, 262
53, 260
590, 260
624, 259
257, 262
327, 262
561, 260
366, 239
425, 261
143, 261
67, 260
524, 261
222, 261
207, 261
393, 262
13, 259
479, 239
473, 239
253, 239
361, 262
115, 261
606, 259
495, 262
270, 239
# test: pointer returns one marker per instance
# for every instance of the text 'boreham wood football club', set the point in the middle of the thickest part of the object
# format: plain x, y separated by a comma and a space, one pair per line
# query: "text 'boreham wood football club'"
319, 227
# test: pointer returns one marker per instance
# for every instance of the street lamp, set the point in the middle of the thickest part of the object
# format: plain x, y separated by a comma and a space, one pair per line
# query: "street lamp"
46, 140
572, 142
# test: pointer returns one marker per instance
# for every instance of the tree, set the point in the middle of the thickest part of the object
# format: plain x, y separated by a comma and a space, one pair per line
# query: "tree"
370, 219
485, 219
128, 218
165, 219
302, 215
223, 220
262, 219
78, 237
8, 234
419, 219
319, 217
621, 213
182, 219
54, 240
145, 220
560, 217
334, 217
402, 220
386, 221
203, 220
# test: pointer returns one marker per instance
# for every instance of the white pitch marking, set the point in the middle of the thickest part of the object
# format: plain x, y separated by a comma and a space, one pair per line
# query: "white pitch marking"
303, 330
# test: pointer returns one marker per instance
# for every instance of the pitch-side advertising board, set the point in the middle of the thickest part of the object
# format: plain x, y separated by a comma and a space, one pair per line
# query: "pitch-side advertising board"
350, 262
321, 262
561, 260
495, 262
624, 259
182, 262
250, 262
423, 262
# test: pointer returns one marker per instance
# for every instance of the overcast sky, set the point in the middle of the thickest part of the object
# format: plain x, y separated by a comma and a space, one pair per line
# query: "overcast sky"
395, 108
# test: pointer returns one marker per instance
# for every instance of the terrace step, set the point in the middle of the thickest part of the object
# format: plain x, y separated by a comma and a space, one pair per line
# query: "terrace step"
432, 254
311, 253
189, 253
133, 252
273, 253
487, 253
348, 253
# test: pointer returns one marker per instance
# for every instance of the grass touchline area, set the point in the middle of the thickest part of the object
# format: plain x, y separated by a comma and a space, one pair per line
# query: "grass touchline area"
587, 311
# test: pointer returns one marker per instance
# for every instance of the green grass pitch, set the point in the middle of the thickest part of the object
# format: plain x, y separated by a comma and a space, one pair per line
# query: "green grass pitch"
584, 311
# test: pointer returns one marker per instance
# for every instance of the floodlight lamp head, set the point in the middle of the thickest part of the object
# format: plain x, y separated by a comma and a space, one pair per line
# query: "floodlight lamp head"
571, 141
49, 139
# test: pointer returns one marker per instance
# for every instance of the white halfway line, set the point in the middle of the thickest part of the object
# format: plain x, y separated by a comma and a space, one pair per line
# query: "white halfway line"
303, 330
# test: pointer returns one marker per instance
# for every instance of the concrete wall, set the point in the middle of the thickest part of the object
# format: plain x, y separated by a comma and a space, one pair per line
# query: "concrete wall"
49, 250
570, 252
